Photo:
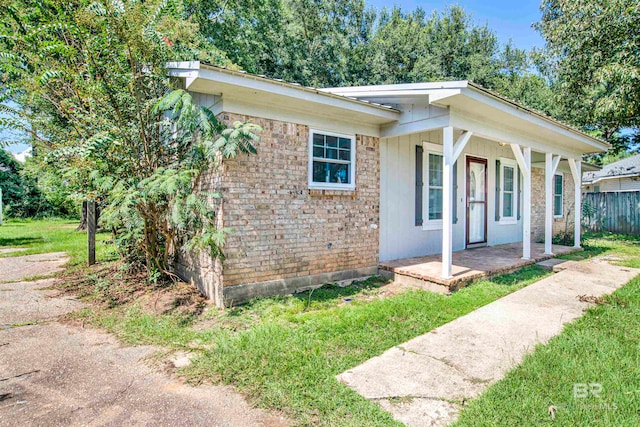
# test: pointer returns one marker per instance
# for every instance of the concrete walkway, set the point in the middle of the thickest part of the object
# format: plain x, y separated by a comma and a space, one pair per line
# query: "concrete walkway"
423, 381
53, 374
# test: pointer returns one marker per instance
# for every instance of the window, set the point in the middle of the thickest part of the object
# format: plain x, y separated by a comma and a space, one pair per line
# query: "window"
508, 191
434, 183
557, 195
331, 160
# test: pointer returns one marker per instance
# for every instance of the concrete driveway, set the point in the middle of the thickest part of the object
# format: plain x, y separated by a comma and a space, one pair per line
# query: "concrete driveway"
53, 374
423, 381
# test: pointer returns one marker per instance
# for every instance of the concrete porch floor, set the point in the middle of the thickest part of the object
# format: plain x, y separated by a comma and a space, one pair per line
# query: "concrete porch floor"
467, 265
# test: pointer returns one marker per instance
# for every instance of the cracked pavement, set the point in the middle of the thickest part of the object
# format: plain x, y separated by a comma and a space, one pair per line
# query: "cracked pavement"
424, 381
53, 374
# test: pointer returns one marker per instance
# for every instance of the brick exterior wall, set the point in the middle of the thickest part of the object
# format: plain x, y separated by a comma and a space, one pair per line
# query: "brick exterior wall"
280, 228
537, 205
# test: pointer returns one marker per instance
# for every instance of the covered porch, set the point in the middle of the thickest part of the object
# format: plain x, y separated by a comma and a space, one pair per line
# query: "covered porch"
467, 265
466, 168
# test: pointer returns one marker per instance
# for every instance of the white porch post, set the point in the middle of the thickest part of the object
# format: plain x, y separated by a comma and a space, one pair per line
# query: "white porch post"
524, 161
576, 171
550, 166
450, 154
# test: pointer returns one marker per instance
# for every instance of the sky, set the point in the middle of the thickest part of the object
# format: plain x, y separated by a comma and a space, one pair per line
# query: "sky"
508, 18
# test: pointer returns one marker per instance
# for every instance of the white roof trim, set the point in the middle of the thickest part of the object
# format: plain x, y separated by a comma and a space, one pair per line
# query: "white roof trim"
438, 92
192, 70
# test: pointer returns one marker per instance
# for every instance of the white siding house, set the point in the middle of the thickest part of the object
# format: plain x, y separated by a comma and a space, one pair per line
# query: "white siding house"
623, 175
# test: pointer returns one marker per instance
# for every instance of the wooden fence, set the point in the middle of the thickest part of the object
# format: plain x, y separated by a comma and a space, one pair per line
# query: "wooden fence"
613, 212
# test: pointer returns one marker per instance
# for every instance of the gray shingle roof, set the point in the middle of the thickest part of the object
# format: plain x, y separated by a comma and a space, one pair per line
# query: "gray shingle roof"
625, 167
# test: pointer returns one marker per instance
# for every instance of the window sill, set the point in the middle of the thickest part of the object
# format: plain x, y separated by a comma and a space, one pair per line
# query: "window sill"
332, 187
508, 222
432, 226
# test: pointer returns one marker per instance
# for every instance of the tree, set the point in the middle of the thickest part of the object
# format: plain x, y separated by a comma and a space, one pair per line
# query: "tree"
20, 194
94, 94
593, 57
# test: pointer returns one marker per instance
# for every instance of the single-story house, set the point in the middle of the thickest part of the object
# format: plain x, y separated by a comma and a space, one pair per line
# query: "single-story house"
623, 175
346, 178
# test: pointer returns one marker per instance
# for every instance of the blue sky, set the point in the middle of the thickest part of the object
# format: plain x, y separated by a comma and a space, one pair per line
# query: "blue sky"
508, 18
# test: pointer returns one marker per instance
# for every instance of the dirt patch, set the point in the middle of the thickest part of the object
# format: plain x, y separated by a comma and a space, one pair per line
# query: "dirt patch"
109, 285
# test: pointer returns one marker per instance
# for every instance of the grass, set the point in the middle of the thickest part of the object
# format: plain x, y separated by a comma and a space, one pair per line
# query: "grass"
285, 352
601, 348
52, 235
620, 249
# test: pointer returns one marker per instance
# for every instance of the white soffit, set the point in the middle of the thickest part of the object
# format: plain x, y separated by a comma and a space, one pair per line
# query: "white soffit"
475, 102
259, 90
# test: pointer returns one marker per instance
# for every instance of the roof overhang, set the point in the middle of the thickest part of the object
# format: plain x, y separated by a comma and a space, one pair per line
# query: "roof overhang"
249, 89
479, 105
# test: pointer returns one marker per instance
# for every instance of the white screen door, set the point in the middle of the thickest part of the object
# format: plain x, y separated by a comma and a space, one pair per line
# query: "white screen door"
476, 200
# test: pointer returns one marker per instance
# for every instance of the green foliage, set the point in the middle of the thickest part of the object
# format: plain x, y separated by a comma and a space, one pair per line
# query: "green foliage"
593, 57
22, 196
94, 94
342, 42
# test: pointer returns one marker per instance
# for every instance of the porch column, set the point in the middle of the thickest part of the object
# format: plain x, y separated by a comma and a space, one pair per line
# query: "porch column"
524, 161
550, 166
450, 153
576, 171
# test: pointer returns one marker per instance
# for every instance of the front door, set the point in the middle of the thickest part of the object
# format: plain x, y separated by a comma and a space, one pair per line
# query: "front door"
476, 201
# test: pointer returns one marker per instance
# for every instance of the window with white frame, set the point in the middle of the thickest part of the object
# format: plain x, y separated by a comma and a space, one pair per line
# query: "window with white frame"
434, 186
331, 160
557, 195
508, 191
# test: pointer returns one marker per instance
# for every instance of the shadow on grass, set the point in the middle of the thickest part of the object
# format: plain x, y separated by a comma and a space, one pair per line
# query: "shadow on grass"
526, 274
19, 241
326, 294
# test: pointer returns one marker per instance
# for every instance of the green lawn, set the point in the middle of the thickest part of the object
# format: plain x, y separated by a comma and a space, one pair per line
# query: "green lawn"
285, 352
52, 235
602, 348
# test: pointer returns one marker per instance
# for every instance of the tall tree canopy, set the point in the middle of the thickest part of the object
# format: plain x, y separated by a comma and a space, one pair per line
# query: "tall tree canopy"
342, 42
592, 55
91, 84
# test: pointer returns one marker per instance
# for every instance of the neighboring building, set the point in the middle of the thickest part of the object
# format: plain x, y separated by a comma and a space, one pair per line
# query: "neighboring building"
346, 178
623, 175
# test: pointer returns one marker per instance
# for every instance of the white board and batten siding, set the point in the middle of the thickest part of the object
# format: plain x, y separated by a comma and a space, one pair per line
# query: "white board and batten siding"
399, 236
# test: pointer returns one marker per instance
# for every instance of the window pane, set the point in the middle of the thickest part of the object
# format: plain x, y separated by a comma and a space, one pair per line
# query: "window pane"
345, 155
318, 139
338, 173
344, 143
435, 203
557, 205
435, 170
557, 184
318, 152
507, 205
508, 178
320, 171
332, 153
332, 141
